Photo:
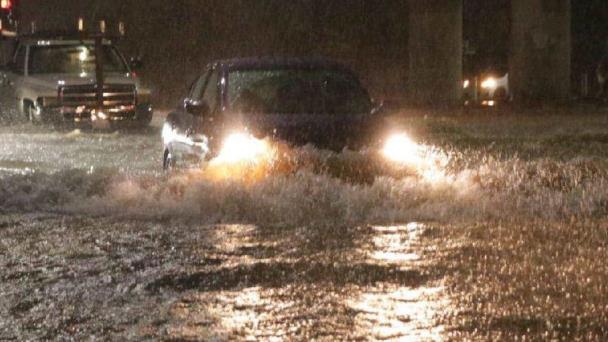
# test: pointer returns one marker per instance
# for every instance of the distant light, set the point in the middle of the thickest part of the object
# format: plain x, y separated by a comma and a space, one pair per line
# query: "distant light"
80, 24
6, 4
489, 83
121, 28
466, 84
84, 54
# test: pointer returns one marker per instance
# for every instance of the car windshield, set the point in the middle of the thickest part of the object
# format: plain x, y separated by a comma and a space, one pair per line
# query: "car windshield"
295, 91
73, 59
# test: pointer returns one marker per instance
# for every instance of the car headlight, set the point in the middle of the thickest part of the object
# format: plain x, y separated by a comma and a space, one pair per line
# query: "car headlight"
489, 83
241, 147
400, 148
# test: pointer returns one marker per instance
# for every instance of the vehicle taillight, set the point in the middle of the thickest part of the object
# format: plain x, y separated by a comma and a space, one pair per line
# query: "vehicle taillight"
6, 4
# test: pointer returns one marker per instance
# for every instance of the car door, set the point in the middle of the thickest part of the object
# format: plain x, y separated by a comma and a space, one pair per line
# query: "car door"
202, 110
207, 126
181, 121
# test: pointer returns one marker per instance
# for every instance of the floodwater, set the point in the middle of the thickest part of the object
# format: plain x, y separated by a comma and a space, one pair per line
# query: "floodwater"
96, 241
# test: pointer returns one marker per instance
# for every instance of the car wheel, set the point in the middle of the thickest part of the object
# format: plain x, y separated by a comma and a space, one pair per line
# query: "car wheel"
168, 161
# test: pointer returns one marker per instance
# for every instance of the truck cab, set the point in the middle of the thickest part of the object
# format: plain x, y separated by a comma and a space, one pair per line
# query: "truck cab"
8, 28
53, 78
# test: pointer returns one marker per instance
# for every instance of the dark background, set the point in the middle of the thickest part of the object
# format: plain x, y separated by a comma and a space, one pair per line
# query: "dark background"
176, 38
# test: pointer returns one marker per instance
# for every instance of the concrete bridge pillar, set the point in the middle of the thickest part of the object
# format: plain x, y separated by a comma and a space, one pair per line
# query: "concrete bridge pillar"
540, 50
435, 52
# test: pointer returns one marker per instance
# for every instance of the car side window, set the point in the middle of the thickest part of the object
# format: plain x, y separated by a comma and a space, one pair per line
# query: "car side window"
197, 87
211, 93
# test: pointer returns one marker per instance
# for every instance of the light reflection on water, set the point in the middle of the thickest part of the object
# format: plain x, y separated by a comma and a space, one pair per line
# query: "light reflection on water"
394, 312
401, 313
393, 244
300, 300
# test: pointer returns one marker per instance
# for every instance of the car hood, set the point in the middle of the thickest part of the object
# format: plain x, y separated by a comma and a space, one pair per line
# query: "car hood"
55, 80
332, 131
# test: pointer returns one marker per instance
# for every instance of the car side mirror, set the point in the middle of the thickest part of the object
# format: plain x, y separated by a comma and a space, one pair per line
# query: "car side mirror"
377, 107
196, 108
384, 107
135, 64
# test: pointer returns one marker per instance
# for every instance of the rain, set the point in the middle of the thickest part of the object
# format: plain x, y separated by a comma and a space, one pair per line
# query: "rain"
473, 208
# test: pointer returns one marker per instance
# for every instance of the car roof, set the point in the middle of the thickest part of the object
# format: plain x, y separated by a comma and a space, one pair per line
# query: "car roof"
280, 62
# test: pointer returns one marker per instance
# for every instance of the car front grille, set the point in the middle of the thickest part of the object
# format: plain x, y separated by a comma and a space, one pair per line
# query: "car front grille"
81, 99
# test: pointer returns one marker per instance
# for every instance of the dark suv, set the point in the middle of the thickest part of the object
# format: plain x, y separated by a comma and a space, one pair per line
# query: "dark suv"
298, 101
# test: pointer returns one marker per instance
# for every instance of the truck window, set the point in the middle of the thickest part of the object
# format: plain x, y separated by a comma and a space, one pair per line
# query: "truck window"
73, 59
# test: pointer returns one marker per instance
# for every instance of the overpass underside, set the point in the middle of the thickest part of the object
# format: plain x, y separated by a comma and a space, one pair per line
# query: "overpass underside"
540, 51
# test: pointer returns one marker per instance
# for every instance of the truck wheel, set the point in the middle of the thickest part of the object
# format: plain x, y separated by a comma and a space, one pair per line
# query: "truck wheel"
144, 117
32, 116
168, 161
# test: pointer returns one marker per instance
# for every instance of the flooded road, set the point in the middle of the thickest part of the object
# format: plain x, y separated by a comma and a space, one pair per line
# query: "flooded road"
26, 149
96, 241
75, 277
75, 267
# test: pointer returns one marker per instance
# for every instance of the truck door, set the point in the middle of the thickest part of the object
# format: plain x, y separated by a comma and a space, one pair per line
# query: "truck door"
10, 76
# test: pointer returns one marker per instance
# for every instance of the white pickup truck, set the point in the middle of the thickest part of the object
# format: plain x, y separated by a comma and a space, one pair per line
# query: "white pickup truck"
54, 80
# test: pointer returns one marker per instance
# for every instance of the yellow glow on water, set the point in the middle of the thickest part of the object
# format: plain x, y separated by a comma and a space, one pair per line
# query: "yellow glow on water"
399, 313
392, 244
